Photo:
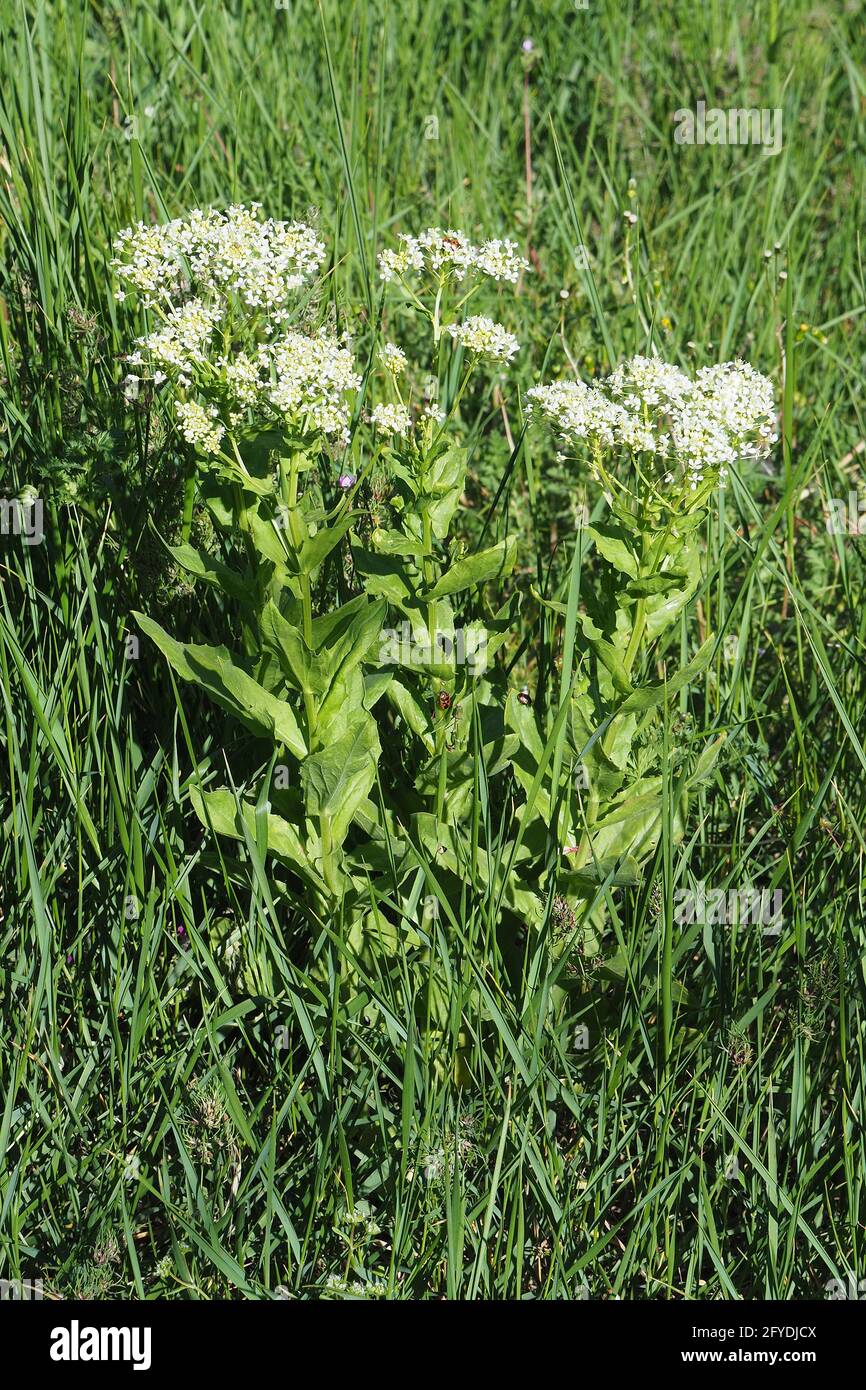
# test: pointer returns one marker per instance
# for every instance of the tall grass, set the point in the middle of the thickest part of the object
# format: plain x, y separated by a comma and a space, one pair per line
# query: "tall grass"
193, 1107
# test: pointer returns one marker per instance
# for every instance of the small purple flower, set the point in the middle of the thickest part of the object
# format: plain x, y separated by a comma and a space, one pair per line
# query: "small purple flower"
345, 481
527, 45
69, 958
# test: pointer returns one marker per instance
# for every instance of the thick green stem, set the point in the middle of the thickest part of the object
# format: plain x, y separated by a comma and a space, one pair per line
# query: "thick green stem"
637, 633
188, 504
296, 535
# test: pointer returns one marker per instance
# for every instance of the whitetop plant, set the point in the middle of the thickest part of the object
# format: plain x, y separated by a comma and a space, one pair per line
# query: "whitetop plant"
265, 401
391, 419
686, 432
230, 255
394, 358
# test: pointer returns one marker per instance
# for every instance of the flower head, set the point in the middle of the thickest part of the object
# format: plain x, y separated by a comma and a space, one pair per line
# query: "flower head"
200, 425
391, 419
651, 407
311, 376
183, 342
485, 338
451, 254
394, 358
231, 255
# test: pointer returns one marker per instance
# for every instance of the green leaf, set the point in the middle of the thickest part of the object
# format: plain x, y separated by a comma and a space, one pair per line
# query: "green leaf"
707, 761
662, 608
301, 666
395, 543
337, 780
655, 584
412, 713
444, 484
385, 576
214, 671
212, 571
493, 563
226, 815
613, 542
318, 547
650, 695
615, 873
609, 656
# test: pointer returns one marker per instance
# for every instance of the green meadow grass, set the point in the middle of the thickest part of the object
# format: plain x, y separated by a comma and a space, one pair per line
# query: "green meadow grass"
190, 1105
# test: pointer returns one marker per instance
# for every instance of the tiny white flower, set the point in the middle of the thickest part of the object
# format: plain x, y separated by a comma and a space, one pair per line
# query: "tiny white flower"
199, 425
485, 338
391, 419
394, 358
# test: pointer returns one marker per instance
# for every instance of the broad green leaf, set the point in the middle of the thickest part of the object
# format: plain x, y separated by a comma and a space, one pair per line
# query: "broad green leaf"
609, 656
318, 547
212, 571
495, 562
301, 666
650, 695
614, 543
227, 815
655, 584
213, 669
412, 713
444, 485
396, 543
707, 761
385, 576
337, 780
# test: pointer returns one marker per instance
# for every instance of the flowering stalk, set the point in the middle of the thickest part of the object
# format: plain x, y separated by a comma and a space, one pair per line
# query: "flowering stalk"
265, 403
660, 444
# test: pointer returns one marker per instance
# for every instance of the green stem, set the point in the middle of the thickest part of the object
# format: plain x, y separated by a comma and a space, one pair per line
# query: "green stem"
328, 868
637, 633
441, 750
289, 472
188, 504
437, 331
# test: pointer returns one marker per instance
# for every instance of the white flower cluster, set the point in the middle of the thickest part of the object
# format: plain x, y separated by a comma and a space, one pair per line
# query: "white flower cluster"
298, 377
648, 406
200, 425
394, 358
391, 419
485, 338
579, 411
648, 381
227, 255
744, 403
451, 253
182, 344
311, 376
221, 282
